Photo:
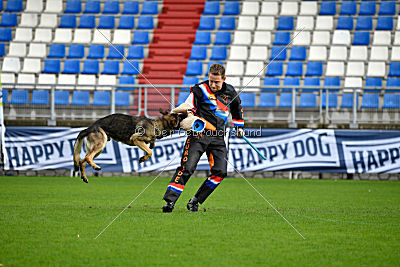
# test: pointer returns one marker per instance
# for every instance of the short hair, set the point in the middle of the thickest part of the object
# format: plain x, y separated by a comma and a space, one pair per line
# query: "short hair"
217, 69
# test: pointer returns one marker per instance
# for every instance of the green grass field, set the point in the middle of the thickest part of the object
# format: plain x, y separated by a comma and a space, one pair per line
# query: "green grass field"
54, 220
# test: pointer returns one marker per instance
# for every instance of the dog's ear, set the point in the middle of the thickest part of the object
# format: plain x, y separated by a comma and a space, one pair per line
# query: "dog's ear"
163, 111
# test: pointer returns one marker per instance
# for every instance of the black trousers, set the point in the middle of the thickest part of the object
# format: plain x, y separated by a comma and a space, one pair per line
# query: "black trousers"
195, 146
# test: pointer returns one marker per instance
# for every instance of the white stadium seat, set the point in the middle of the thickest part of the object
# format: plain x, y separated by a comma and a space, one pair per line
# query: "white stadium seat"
395, 53
321, 38
250, 8
397, 37
122, 37
48, 20
101, 37
34, 5
308, 8
86, 79
341, 37
355, 68
42, 35
11, 64
82, 36
246, 23
54, 6
338, 53
258, 53
262, 38
234, 68
289, 8
379, 53
23, 35
107, 80
305, 23
334, 68
45, 78
358, 53
238, 52
32, 65
353, 82
24, 78
269, 8
7, 78
301, 38
242, 37
235, 81
28, 20
68, 80
324, 23
254, 68
17, 49
37, 50
382, 38
376, 69
250, 82
62, 36
318, 53
265, 23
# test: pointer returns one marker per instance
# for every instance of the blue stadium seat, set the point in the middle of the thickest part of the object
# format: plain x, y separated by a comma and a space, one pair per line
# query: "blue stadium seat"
391, 101
121, 98
285, 100
19, 97
2, 49
328, 8
90, 67
288, 81
198, 52
202, 38
314, 68
111, 7
61, 97
51, 66
384, 23
218, 53
267, 100
101, 98
111, 67
87, 21
227, 23
364, 23
194, 68
370, 101
393, 82
332, 100
5, 34
282, 38
294, 68
347, 101
274, 69
348, 8
96, 51
211, 8
231, 8
285, 23
71, 66
126, 80
271, 81
298, 53
116, 52
361, 38
14, 6
278, 53
145, 22
182, 97
1, 5
367, 8
345, 23
308, 100
248, 100
373, 82
9, 20
40, 97
190, 80
67, 21
131, 7
5, 96
150, 7
80, 98
131, 67
222, 38
135, 52
76, 51
387, 8
207, 23
73, 6
311, 81
140, 37
332, 82
106, 22
126, 22
92, 7
56, 51
394, 69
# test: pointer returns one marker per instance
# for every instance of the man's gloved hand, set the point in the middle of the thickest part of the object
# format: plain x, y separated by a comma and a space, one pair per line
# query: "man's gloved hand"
239, 132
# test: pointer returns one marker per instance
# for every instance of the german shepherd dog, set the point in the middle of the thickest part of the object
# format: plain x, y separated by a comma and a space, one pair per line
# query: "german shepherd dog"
130, 130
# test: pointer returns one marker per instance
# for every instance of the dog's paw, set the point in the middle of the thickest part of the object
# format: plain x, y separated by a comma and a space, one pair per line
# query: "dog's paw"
97, 168
85, 179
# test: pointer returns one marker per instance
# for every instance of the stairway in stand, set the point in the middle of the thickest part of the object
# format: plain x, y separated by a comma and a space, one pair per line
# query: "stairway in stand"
170, 49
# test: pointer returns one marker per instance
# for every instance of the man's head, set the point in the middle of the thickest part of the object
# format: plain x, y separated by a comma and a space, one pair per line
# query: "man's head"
216, 77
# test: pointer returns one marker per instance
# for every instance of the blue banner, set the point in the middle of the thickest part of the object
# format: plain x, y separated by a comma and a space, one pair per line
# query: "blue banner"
319, 150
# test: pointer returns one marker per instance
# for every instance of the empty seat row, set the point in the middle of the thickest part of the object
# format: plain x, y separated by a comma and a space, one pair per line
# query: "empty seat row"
81, 98
74, 51
81, 36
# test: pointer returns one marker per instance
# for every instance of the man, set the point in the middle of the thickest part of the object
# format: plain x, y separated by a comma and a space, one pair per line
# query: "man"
211, 100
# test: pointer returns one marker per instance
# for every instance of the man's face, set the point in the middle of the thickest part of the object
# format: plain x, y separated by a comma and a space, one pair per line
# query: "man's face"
216, 82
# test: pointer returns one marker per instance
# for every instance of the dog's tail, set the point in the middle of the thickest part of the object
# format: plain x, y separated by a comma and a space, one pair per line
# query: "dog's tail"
78, 147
